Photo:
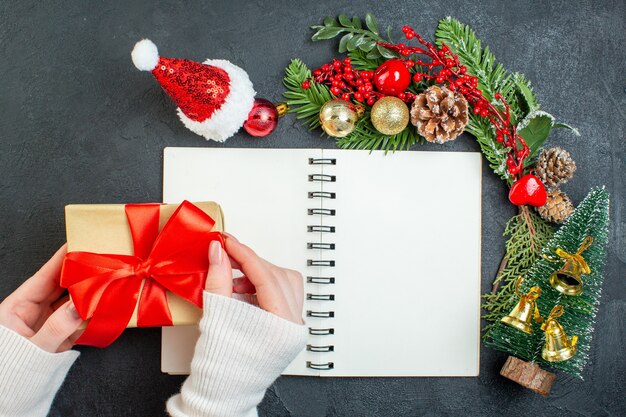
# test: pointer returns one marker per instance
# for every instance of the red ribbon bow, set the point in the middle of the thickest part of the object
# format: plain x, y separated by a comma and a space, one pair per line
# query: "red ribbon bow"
105, 287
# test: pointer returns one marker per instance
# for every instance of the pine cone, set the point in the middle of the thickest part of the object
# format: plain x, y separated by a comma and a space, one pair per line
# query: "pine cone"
439, 114
558, 207
555, 166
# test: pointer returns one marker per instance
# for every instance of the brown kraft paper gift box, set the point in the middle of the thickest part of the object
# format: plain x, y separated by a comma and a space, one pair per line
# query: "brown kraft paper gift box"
103, 228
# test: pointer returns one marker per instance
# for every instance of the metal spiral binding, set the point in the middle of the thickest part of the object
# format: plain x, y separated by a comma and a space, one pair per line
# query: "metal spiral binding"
320, 297
320, 280
322, 194
323, 246
320, 366
321, 332
312, 348
322, 161
320, 314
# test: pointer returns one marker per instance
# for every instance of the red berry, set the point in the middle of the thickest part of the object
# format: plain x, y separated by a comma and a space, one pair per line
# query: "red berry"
361, 89
325, 67
317, 73
409, 63
346, 96
476, 110
367, 95
459, 82
306, 85
463, 69
359, 81
358, 97
499, 138
335, 90
484, 112
369, 87
439, 79
405, 52
417, 77
348, 76
402, 96
463, 90
452, 87
405, 29
371, 101
497, 96
346, 61
337, 77
513, 170
409, 35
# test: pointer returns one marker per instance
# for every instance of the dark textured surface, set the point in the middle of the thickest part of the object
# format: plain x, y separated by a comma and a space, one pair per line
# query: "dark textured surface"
79, 124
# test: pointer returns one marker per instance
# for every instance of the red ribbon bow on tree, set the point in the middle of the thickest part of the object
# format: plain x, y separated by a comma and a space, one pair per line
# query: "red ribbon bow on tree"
105, 287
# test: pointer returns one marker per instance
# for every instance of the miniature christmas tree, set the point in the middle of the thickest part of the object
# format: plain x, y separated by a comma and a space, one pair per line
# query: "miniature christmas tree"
564, 288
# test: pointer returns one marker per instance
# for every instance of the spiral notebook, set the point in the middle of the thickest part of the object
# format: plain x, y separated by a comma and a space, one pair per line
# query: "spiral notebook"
388, 245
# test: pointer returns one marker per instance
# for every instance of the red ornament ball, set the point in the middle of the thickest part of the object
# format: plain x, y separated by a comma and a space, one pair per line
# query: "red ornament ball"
262, 119
392, 77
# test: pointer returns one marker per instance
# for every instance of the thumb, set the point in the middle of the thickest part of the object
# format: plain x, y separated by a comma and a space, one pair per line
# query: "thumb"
219, 278
58, 328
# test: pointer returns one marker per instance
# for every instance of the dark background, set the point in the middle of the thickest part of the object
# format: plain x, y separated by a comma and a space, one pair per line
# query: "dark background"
79, 124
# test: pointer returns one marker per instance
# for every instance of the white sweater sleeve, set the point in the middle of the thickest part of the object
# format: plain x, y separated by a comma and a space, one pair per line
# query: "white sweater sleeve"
242, 349
29, 376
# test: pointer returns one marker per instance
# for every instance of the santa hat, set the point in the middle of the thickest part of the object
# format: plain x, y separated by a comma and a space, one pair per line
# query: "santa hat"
214, 98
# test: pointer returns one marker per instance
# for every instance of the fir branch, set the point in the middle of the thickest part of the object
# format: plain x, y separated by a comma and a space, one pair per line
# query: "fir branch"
528, 233
492, 78
305, 103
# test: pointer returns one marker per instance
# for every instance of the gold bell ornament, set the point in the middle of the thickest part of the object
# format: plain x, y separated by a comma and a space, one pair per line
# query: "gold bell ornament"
526, 309
567, 280
558, 347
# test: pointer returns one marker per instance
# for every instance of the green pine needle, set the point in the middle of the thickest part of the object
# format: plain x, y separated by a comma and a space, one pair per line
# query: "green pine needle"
523, 248
589, 219
306, 104
492, 78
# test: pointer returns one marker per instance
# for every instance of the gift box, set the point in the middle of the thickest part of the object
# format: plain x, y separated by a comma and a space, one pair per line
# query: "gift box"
137, 265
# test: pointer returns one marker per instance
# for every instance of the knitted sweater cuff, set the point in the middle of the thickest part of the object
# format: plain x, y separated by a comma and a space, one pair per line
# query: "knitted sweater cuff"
242, 349
30, 376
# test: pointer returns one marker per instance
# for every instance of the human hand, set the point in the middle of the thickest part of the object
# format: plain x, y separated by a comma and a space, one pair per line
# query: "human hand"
35, 311
278, 290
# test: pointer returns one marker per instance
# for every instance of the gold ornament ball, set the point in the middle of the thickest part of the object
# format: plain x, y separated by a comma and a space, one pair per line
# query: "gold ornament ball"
390, 115
338, 118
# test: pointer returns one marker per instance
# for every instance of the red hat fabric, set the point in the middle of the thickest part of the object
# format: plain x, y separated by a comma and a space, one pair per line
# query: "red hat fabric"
214, 98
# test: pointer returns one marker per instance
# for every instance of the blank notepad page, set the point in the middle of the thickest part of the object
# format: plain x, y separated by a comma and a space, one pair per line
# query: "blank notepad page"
399, 235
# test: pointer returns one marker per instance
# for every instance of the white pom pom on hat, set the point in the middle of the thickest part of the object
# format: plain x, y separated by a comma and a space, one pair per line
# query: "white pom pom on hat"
145, 55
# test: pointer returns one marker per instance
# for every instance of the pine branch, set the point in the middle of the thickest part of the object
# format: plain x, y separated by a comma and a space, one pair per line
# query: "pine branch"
492, 78
528, 233
589, 219
305, 103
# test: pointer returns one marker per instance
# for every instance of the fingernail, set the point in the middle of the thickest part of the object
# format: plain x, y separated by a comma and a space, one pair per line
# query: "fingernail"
72, 312
228, 235
215, 253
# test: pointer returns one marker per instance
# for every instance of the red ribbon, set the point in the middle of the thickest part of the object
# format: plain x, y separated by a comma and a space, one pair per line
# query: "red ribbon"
105, 287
